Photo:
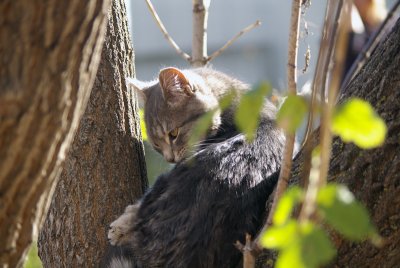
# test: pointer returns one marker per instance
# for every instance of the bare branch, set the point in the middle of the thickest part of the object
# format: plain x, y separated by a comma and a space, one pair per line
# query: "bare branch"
249, 259
165, 33
199, 38
320, 75
230, 42
342, 15
249, 252
292, 88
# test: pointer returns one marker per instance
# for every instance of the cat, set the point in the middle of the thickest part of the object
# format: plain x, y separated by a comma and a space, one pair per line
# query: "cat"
212, 197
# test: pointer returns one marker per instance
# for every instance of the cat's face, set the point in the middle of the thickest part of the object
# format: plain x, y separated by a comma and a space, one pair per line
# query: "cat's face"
171, 107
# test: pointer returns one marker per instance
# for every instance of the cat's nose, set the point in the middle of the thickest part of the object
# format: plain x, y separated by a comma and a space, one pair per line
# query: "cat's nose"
170, 158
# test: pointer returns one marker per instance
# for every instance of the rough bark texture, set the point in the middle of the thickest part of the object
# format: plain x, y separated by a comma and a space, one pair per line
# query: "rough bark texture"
372, 175
49, 54
105, 168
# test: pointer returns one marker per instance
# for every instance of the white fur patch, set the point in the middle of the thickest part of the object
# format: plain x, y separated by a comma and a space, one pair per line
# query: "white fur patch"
120, 263
120, 232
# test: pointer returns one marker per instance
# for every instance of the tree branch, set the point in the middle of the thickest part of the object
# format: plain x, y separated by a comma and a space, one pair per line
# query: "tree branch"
230, 42
320, 75
199, 38
165, 33
317, 178
292, 89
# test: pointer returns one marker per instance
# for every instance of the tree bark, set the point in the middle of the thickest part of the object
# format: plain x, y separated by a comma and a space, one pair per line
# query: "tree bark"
105, 168
372, 175
199, 35
49, 54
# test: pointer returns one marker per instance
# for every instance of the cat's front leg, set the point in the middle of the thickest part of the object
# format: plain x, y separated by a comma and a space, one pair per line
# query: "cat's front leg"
121, 230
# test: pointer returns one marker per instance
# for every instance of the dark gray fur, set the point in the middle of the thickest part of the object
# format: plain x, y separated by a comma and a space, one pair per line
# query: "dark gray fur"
193, 214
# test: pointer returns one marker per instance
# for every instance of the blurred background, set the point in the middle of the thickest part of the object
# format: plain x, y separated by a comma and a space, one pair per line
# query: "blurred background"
259, 55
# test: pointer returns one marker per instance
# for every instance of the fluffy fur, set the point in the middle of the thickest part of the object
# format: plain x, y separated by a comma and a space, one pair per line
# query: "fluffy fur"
193, 214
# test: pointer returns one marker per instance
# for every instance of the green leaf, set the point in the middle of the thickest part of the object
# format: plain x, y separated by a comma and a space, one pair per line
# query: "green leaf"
290, 257
356, 121
316, 247
307, 247
286, 204
227, 100
33, 260
142, 125
201, 127
280, 237
344, 213
292, 113
247, 115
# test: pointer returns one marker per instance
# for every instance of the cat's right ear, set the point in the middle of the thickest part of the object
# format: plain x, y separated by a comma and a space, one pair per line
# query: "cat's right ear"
175, 86
140, 88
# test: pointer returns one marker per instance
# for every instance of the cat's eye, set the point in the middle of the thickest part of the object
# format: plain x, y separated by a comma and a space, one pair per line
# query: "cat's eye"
174, 133
155, 145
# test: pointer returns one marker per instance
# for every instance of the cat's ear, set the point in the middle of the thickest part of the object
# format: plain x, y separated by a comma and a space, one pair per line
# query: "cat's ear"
175, 86
140, 88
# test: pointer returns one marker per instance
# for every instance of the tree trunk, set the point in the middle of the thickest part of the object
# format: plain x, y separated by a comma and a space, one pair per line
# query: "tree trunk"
49, 54
372, 175
105, 168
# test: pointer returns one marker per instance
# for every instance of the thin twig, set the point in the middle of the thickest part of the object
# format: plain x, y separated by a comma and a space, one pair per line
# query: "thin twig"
338, 58
320, 166
320, 75
370, 46
290, 137
249, 250
292, 89
328, 104
165, 33
230, 42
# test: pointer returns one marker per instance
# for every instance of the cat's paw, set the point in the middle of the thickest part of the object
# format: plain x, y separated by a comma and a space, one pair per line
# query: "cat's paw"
121, 230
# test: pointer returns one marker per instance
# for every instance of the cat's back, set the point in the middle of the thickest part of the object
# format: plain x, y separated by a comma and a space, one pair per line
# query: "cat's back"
194, 213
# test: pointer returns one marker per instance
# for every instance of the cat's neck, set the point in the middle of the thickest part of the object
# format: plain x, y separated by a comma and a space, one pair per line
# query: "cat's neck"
219, 84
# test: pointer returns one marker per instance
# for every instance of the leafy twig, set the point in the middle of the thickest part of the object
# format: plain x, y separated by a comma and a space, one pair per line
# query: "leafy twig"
289, 144
165, 33
318, 178
230, 42
292, 88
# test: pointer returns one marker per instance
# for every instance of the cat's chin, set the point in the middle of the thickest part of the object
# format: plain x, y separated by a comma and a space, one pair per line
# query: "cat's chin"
177, 159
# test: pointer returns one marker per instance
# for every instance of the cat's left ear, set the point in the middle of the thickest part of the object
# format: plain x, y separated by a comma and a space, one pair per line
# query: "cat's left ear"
140, 88
175, 85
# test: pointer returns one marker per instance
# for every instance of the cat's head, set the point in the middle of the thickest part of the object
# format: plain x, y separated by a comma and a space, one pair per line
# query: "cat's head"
171, 107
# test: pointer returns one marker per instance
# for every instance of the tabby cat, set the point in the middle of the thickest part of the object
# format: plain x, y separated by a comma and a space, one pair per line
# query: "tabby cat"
194, 213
